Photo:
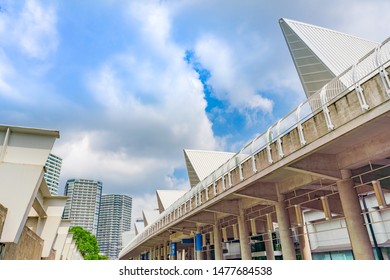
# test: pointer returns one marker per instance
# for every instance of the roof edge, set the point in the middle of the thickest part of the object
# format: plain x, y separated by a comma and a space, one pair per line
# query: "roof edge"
31, 130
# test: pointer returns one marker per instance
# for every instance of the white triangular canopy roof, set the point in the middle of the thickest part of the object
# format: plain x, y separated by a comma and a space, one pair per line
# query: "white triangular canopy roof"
166, 198
139, 226
150, 216
321, 54
200, 164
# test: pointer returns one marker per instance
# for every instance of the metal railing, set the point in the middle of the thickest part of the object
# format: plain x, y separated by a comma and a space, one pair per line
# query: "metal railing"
367, 67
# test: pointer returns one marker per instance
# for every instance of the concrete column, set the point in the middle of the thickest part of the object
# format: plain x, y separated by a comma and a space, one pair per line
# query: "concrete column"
208, 253
358, 235
243, 234
304, 244
61, 237
183, 254
158, 253
269, 245
165, 253
190, 254
217, 240
283, 218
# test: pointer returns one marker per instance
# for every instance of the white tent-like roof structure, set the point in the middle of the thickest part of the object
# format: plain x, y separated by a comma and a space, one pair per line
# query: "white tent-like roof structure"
150, 216
200, 164
321, 54
166, 198
139, 226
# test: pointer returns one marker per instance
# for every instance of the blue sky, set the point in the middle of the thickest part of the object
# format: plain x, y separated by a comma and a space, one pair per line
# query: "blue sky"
130, 84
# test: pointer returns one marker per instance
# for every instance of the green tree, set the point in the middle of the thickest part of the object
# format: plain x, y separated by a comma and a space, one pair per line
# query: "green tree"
87, 244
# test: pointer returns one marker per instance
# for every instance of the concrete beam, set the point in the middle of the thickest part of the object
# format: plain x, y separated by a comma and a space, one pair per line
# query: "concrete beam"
294, 182
62, 234
18, 196
23, 151
185, 226
312, 173
65, 250
317, 164
229, 207
203, 218
374, 148
38, 207
48, 227
185, 231
265, 192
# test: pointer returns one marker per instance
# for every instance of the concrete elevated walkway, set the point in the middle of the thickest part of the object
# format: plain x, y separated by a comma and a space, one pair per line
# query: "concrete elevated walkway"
323, 157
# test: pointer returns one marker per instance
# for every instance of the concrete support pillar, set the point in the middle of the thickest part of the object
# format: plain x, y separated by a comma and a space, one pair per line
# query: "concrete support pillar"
158, 253
283, 218
358, 235
190, 253
183, 254
269, 245
165, 253
217, 239
208, 253
243, 234
304, 244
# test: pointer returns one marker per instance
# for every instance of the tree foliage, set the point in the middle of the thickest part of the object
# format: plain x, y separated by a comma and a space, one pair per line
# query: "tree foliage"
86, 243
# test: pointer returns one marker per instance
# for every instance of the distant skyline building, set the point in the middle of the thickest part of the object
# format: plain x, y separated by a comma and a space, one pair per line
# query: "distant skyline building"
114, 219
83, 204
52, 174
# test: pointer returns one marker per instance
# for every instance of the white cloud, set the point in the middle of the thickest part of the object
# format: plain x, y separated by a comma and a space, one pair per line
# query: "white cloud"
6, 71
28, 34
155, 21
145, 202
36, 30
150, 107
229, 78
371, 19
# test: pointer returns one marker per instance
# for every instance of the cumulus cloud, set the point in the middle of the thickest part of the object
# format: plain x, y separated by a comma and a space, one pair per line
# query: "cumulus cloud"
7, 71
28, 35
228, 79
32, 29
150, 107
373, 23
145, 202
37, 25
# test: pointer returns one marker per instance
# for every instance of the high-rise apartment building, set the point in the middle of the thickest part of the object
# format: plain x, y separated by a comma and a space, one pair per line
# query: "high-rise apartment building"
52, 174
114, 219
83, 205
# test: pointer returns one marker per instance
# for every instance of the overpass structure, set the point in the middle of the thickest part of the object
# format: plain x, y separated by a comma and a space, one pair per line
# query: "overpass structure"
316, 182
